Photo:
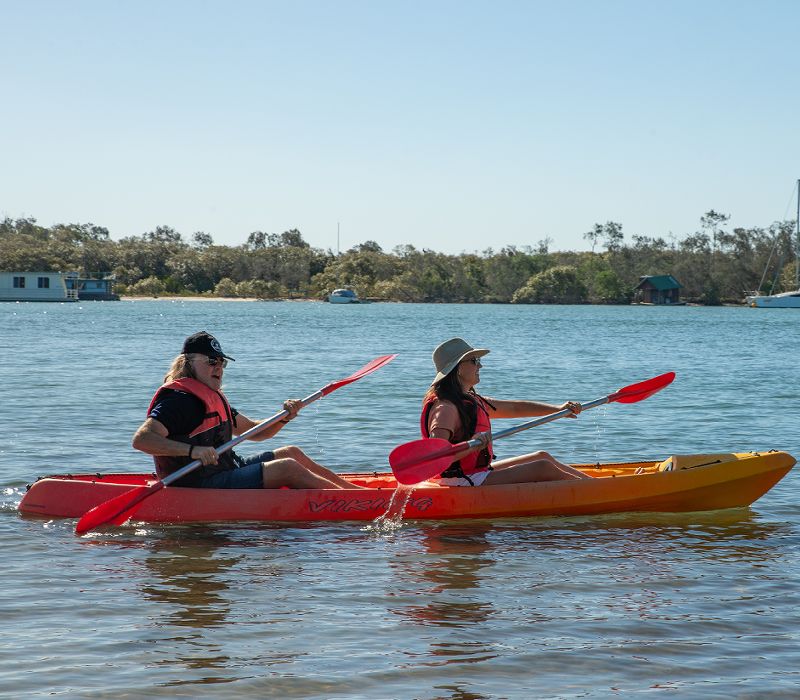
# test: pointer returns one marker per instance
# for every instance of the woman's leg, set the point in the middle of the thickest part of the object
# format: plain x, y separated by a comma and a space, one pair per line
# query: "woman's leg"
541, 469
294, 454
538, 456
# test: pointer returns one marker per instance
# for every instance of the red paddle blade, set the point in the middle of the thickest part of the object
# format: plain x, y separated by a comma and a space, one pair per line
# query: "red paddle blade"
422, 459
368, 368
117, 510
640, 391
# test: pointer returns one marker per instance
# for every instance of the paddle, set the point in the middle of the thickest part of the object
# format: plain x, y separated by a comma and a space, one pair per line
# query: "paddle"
119, 509
423, 459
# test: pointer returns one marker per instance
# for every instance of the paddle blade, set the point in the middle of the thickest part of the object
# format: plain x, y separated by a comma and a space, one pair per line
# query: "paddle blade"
368, 368
422, 459
116, 510
642, 390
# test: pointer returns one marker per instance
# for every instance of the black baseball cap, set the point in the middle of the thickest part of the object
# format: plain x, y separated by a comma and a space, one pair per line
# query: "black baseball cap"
204, 343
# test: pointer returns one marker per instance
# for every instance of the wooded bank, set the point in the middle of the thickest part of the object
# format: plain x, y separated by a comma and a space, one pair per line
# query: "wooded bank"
713, 265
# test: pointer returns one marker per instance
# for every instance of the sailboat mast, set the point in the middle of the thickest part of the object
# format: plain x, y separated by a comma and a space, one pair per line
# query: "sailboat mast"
797, 241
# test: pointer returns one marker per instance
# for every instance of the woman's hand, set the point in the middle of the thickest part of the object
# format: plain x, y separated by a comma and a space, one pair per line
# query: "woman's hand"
292, 406
485, 438
573, 406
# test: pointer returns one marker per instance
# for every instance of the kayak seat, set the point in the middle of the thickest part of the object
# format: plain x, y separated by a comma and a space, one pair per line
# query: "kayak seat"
676, 462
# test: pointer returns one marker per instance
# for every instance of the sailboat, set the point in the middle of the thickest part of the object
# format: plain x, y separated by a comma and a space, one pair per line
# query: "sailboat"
784, 300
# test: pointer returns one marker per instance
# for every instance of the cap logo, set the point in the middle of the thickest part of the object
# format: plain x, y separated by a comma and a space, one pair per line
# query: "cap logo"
216, 346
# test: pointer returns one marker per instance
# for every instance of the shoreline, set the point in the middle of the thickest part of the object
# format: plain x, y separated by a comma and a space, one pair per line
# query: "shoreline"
126, 297
197, 298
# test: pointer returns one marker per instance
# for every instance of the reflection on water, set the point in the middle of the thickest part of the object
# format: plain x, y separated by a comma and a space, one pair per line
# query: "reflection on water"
286, 611
457, 692
455, 556
190, 578
737, 533
448, 574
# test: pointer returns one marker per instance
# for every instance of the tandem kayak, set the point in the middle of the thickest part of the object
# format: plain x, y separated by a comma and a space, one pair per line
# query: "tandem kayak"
678, 484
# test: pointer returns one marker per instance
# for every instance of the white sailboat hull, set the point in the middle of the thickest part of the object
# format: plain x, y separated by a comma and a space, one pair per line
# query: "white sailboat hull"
786, 300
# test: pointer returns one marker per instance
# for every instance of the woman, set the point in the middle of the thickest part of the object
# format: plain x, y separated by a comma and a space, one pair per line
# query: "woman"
454, 411
189, 417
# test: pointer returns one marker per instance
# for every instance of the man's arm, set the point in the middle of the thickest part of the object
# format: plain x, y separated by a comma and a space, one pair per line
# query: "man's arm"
151, 438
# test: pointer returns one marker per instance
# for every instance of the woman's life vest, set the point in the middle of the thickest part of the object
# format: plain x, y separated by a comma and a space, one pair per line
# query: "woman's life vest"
479, 422
214, 430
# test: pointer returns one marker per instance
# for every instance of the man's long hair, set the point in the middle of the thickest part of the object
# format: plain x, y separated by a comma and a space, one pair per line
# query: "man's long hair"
180, 368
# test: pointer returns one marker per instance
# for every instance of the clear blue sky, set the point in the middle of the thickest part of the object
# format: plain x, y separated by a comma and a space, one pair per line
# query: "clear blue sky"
453, 126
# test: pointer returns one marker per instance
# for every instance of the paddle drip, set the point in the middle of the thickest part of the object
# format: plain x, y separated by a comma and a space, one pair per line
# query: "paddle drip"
599, 431
392, 519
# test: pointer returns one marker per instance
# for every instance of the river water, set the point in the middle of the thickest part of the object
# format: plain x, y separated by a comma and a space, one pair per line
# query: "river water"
701, 604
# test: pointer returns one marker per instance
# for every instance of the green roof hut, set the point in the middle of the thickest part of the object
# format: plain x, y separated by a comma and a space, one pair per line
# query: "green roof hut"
658, 289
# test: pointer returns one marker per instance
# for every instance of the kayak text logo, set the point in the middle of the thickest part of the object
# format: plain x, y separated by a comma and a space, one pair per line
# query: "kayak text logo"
349, 505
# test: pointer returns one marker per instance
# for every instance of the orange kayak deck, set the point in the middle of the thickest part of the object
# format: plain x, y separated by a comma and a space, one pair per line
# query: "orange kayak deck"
678, 484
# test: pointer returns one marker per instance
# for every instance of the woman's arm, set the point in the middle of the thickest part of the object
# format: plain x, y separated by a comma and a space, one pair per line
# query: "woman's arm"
528, 409
443, 421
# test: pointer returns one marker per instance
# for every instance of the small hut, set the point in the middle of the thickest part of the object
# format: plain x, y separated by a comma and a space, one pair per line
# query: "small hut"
658, 289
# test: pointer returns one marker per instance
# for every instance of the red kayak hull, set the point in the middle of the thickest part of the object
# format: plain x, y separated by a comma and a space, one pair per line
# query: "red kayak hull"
706, 482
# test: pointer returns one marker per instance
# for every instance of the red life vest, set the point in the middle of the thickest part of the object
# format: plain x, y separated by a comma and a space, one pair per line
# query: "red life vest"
475, 461
214, 430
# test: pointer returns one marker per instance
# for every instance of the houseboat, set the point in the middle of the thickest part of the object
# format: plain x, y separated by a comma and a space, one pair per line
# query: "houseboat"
96, 289
38, 286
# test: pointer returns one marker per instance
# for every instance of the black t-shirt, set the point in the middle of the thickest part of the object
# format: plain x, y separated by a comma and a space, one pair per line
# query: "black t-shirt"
180, 413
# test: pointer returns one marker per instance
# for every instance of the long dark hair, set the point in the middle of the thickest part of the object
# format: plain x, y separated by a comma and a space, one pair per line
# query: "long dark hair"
449, 389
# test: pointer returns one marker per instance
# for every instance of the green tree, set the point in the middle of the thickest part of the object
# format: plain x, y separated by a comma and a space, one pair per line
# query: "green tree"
558, 285
150, 286
292, 239
507, 271
612, 236
594, 235
202, 240
226, 287
257, 240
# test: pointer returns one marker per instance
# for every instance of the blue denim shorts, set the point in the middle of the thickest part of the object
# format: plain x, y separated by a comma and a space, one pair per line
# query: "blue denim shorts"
247, 475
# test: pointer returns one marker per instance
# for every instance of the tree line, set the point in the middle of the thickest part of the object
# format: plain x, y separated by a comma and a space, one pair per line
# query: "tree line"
713, 264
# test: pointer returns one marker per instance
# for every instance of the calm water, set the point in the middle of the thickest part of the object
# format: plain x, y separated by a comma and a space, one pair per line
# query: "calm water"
702, 604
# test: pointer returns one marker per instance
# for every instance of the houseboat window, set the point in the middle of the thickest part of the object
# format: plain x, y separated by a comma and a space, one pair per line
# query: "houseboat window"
19, 283
44, 283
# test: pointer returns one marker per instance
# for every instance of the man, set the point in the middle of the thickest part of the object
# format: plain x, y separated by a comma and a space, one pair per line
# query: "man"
189, 417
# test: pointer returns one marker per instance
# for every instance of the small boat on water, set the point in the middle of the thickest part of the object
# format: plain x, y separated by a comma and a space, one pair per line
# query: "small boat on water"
677, 484
784, 300
343, 296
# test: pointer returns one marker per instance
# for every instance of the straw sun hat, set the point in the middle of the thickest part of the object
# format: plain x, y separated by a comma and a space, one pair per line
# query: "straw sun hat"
447, 356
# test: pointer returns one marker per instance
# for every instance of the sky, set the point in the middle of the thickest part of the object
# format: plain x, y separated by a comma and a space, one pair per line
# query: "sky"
449, 126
